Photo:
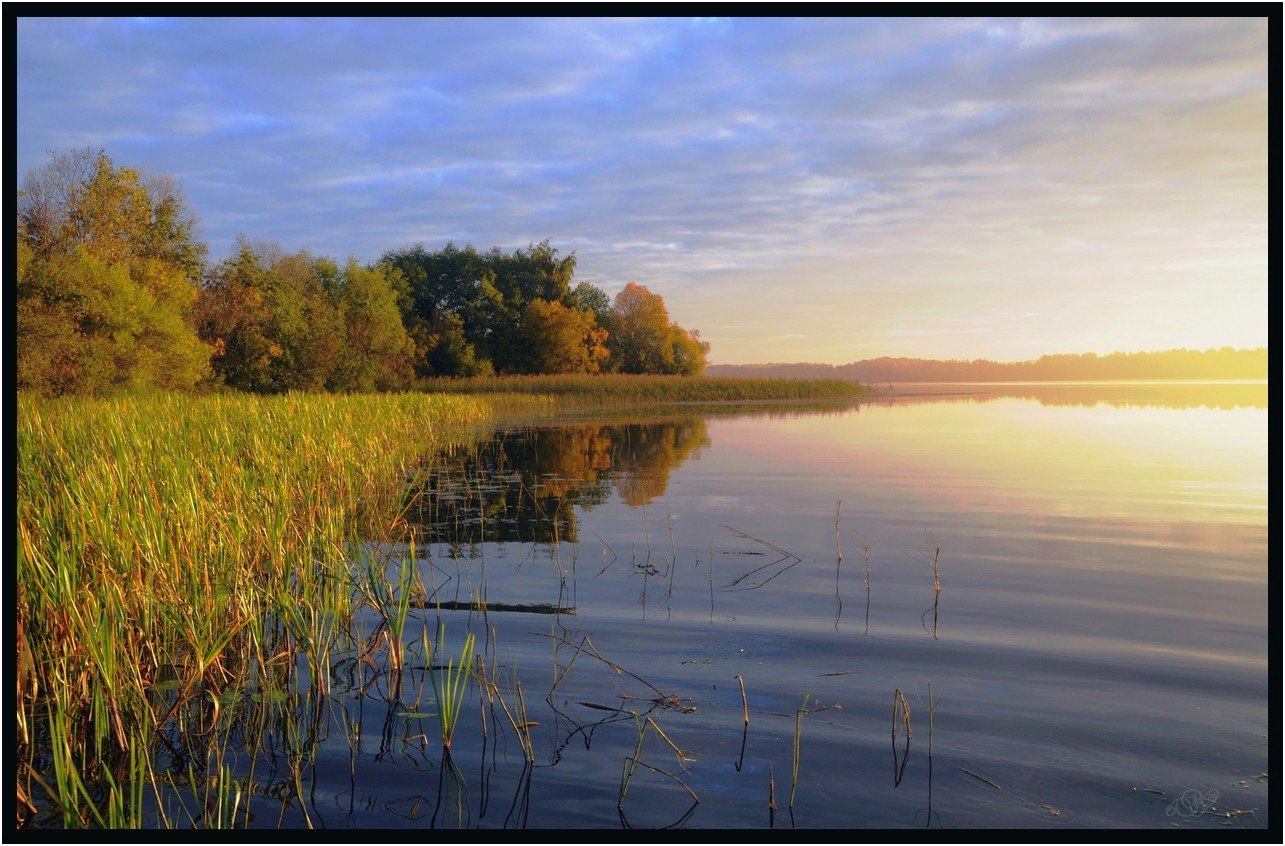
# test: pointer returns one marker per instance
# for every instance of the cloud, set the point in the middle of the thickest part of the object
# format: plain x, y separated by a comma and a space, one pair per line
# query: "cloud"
884, 167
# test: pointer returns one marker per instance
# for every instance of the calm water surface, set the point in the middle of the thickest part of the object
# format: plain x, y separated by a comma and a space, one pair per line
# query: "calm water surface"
1097, 652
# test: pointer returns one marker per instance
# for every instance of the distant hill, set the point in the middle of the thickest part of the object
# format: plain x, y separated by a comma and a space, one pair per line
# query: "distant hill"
1225, 363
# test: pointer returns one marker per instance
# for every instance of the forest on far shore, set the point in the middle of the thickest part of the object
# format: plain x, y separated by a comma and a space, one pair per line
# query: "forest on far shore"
1224, 363
115, 293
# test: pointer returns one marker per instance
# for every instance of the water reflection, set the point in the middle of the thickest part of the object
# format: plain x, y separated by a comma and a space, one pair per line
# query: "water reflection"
1220, 395
524, 485
1103, 567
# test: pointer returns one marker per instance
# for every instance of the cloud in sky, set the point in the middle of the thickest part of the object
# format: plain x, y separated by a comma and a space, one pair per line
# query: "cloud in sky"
797, 189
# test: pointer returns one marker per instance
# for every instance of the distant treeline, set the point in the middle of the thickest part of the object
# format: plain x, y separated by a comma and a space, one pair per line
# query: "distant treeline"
1225, 363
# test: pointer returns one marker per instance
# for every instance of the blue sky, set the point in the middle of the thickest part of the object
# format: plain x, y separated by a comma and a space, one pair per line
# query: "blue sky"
797, 189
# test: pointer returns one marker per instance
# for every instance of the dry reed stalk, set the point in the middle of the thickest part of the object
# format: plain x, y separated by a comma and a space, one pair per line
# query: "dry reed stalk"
899, 704
838, 549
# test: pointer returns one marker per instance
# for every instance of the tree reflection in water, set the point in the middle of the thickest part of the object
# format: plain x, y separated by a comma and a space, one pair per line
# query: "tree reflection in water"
523, 485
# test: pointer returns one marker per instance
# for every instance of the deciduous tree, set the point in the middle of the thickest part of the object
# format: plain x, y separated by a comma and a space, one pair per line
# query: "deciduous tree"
558, 339
640, 339
106, 264
377, 355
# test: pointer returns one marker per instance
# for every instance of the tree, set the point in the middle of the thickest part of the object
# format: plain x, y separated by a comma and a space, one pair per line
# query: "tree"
640, 339
690, 352
106, 263
234, 315
445, 351
378, 350
281, 322
592, 298
487, 294
558, 339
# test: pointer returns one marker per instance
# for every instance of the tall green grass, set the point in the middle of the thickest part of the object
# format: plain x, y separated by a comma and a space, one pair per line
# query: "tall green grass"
169, 546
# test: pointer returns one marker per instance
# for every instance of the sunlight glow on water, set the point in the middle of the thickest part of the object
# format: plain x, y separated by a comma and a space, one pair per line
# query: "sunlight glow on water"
1015, 455
1099, 644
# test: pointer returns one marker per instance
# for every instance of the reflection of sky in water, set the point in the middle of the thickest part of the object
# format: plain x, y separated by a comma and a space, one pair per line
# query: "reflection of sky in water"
1075, 524
1102, 624
1068, 527
1014, 455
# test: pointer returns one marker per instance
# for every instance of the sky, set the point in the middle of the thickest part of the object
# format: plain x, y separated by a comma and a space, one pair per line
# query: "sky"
796, 189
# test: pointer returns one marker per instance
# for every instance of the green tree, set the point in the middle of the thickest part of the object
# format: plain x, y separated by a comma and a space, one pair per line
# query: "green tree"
270, 320
446, 351
592, 298
377, 354
487, 294
442, 306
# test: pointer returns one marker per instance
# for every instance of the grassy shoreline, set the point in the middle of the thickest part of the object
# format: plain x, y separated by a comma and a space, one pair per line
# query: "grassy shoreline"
625, 389
173, 547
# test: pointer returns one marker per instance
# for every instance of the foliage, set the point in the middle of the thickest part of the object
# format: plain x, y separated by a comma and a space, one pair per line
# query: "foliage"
377, 353
689, 351
442, 348
106, 262
477, 303
113, 294
280, 322
592, 298
641, 339
512, 313
558, 339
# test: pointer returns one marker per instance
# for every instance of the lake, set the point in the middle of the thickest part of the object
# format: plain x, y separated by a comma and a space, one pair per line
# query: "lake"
729, 618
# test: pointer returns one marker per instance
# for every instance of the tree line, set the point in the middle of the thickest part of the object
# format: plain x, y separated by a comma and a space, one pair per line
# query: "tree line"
114, 292
1224, 363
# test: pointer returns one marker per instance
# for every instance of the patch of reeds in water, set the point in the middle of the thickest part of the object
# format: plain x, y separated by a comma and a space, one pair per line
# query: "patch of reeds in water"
169, 548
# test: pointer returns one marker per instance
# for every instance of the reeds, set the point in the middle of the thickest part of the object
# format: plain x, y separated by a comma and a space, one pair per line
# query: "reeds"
170, 545
798, 741
450, 689
621, 388
900, 708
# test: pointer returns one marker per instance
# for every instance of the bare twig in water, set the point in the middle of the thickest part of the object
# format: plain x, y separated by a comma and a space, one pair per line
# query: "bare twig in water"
711, 583
867, 540
899, 705
838, 559
899, 760
982, 778
632, 762
605, 549
798, 738
785, 556
838, 550
935, 548
683, 757
584, 644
